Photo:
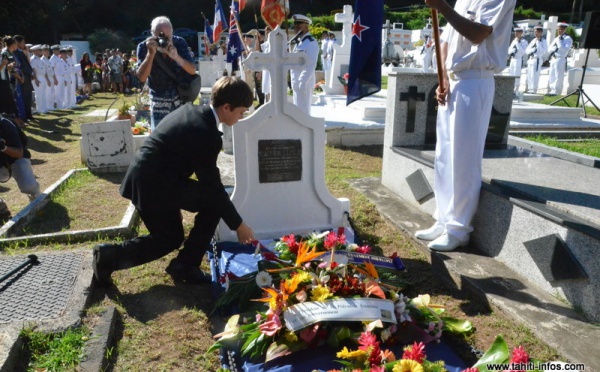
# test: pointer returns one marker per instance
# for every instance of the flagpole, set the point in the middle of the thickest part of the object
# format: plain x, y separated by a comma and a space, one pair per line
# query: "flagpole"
438, 47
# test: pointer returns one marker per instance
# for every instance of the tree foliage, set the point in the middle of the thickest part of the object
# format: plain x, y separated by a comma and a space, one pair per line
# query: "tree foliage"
108, 39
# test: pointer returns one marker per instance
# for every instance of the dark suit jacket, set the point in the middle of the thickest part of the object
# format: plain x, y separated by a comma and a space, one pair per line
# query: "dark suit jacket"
186, 142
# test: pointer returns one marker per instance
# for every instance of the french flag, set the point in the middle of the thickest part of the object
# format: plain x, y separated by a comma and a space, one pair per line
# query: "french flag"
219, 25
208, 39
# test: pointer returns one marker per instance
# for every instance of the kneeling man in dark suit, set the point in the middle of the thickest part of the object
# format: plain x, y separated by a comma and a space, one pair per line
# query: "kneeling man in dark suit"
158, 183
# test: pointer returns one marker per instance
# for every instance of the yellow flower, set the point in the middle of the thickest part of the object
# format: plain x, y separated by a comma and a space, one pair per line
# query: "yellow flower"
358, 355
320, 293
290, 336
407, 365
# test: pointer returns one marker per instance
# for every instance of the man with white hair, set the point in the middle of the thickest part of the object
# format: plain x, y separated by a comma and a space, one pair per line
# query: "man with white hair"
559, 48
175, 55
303, 80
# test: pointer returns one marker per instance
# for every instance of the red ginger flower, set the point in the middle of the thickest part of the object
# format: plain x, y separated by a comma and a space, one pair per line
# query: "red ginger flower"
366, 340
290, 240
519, 355
415, 352
472, 369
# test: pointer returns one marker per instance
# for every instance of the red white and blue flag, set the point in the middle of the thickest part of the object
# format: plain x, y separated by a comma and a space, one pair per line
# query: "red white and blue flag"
365, 53
220, 22
234, 46
208, 36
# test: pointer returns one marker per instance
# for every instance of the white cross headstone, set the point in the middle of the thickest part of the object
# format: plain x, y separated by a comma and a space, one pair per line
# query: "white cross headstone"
341, 53
551, 25
280, 159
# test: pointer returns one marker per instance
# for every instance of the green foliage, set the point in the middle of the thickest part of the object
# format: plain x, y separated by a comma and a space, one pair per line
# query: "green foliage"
522, 13
590, 146
104, 38
320, 23
55, 351
414, 19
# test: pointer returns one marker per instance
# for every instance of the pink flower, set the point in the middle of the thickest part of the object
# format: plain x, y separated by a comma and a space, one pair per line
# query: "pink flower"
472, 369
366, 339
272, 325
364, 249
415, 352
519, 355
377, 369
332, 239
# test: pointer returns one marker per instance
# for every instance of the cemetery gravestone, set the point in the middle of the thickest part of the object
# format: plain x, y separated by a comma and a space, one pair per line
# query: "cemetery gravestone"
107, 146
279, 154
341, 54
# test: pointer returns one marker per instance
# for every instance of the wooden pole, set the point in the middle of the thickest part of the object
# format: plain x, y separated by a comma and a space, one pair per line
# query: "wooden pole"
438, 47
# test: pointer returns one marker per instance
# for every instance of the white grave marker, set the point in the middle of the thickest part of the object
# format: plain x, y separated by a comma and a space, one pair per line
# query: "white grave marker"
341, 53
107, 146
280, 159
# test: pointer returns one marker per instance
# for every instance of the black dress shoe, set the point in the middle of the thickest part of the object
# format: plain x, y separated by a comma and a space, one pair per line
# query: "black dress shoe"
103, 263
186, 273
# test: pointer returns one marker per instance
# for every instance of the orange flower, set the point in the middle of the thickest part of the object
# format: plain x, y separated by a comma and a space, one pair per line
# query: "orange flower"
305, 254
135, 130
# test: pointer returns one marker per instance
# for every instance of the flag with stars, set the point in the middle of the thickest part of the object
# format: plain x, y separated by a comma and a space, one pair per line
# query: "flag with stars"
365, 53
234, 46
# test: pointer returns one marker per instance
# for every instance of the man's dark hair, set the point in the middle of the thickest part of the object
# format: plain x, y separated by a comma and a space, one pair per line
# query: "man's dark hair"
8, 40
232, 90
18, 38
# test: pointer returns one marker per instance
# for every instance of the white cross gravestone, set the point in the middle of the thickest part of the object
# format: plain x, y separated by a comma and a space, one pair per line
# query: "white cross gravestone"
341, 53
107, 146
280, 159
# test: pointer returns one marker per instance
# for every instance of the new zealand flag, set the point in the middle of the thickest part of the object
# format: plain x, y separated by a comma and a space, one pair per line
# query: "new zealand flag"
365, 53
234, 46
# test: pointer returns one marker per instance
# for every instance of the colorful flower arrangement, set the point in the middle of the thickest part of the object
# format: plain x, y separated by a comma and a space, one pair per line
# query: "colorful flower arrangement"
320, 290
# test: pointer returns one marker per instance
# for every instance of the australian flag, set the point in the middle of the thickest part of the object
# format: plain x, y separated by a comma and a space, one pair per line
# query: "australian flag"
220, 22
365, 53
235, 46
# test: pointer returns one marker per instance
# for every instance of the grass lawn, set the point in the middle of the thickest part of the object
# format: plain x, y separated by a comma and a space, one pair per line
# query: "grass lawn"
589, 146
571, 101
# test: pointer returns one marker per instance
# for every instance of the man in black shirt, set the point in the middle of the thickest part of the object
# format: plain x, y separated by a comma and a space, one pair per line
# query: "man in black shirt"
22, 53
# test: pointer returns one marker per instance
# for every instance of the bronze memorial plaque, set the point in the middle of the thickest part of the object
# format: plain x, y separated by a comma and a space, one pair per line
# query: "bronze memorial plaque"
279, 160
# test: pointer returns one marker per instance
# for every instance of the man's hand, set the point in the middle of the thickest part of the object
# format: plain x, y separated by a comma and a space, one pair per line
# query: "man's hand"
245, 234
442, 91
172, 51
152, 45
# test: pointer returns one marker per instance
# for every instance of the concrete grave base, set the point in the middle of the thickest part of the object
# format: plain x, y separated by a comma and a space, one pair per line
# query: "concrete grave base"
21, 219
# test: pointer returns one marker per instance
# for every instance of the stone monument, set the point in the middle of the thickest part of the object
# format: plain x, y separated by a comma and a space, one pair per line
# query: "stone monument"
107, 146
279, 154
341, 54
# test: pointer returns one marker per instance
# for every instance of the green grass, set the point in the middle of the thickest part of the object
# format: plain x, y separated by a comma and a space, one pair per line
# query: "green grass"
587, 146
54, 351
568, 102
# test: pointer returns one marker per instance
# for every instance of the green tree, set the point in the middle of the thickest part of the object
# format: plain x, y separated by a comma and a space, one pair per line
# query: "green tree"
108, 39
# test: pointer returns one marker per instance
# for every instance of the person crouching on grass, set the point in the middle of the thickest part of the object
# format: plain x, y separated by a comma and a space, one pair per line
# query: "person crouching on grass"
158, 184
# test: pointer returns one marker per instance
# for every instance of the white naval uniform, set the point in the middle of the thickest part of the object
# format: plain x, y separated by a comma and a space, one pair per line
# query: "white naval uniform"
50, 90
463, 121
63, 74
41, 88
266, 74
324, 61
518, 48
72, 97
558, 65
303, 80
54, 59
427, 55
536, 50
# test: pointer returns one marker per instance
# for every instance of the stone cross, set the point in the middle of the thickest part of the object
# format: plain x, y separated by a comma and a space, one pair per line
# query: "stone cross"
411, 97
551, 25
278, 60
346, 18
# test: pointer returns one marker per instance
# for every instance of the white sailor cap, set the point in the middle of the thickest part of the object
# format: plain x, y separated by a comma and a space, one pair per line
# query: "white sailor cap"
518, 29
28, 45
36, 47
45, 46
562, 24
538, 28
301, 19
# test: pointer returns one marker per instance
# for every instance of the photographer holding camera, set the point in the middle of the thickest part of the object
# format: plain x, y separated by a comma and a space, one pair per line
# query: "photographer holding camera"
175, 55
15, 159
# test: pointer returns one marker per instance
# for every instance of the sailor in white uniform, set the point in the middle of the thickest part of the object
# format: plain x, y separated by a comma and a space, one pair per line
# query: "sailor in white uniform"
535, 52
303, 80
63, 74
53, 82
516, 51
470, 59
41, 83
559, 48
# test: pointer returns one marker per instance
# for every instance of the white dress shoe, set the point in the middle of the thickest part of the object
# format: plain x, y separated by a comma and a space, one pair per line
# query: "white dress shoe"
446, 243
431, 233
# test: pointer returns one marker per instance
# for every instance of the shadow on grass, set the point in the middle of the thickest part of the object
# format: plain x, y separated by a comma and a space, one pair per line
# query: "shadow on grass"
52, 218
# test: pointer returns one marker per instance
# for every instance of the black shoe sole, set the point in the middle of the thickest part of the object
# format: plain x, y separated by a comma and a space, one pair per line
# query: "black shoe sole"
101, 276
178, 277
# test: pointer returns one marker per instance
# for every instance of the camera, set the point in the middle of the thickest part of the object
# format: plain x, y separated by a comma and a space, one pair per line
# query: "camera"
162, 40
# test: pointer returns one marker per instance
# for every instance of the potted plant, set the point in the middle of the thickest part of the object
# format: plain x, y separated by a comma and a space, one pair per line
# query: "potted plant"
142, 103
123, 111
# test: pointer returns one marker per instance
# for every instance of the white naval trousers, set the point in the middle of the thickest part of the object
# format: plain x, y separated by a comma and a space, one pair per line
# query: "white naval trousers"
41, 93
534, 66
516, 64
62, 92
302, 95
50, 101
461, 129
557, 75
